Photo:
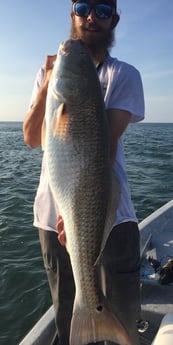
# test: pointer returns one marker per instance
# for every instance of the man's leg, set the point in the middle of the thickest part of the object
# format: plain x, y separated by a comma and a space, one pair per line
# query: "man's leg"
120, 275
60, 277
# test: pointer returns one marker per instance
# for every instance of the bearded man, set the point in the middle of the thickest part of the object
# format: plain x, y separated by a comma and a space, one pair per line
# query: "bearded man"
94, 22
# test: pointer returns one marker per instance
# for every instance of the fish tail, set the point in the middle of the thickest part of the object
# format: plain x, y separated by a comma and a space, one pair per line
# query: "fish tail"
98, 325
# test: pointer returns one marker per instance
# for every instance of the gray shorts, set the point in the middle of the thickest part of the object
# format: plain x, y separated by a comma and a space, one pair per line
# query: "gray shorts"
118, 271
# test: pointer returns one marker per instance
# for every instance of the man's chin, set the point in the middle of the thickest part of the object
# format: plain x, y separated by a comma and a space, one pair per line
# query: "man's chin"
91, 37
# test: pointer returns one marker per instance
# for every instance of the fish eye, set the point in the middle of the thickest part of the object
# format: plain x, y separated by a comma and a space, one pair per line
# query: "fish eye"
99, 308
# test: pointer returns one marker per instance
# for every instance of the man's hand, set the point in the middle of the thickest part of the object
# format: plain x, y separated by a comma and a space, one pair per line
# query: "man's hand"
61, 231
49, 63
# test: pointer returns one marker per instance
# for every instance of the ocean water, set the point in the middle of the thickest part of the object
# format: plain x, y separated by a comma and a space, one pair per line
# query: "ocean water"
24, 292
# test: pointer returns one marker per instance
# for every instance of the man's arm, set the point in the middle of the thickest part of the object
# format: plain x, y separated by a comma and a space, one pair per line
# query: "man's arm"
118, 122
32, 126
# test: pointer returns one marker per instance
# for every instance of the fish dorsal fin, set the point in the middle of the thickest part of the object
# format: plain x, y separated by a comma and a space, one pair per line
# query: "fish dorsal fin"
60, 122
111, 211
112, 207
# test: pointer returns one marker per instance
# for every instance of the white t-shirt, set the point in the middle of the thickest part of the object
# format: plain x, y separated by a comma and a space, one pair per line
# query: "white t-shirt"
122, 88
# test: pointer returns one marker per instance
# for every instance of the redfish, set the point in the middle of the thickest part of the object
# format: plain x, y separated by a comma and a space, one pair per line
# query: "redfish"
80, 176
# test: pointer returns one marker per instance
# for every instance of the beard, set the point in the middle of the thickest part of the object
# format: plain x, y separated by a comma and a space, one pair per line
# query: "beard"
98, 47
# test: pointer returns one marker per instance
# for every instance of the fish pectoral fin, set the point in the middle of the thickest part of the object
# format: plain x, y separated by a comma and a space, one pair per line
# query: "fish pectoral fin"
60, 122
97, 325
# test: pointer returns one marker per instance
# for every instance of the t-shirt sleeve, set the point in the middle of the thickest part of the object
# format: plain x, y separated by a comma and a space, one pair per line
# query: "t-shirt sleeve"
126, 91
37, 84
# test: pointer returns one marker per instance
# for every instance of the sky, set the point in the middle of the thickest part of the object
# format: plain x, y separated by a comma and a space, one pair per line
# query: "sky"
30, 30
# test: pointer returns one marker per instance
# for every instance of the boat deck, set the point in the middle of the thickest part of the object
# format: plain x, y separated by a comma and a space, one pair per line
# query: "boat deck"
157, 299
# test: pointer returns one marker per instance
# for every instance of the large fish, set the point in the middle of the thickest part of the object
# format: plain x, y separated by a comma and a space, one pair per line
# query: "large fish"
79, 170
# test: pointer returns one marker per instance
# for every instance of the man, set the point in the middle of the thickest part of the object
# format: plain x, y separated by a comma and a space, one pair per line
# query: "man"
93, 21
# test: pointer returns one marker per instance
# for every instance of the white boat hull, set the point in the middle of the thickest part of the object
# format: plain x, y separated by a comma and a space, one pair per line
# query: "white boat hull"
165, 332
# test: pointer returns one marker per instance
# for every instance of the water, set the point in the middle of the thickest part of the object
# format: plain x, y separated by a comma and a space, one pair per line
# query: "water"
24, 292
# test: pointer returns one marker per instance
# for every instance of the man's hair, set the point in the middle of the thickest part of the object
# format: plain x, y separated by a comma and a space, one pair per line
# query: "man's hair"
113, 2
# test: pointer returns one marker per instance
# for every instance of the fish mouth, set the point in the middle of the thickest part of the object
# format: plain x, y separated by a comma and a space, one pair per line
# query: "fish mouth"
65, 47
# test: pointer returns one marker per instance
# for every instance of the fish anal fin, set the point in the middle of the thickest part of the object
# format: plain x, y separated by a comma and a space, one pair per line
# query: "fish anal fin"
60, 122
88, 327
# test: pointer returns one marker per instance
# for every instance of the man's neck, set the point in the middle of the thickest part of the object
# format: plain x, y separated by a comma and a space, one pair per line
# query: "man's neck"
99, 58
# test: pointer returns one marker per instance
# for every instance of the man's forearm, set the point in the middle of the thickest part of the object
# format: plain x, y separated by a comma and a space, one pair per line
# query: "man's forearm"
33, 122
32, 126
118, 121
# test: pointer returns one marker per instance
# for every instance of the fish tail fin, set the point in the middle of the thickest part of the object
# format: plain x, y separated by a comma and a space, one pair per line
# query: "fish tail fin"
98, 325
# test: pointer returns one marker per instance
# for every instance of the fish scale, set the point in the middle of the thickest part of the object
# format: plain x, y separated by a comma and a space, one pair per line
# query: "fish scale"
80, 177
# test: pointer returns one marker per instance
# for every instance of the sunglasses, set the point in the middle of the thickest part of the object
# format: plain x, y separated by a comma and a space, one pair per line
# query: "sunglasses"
102, 11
